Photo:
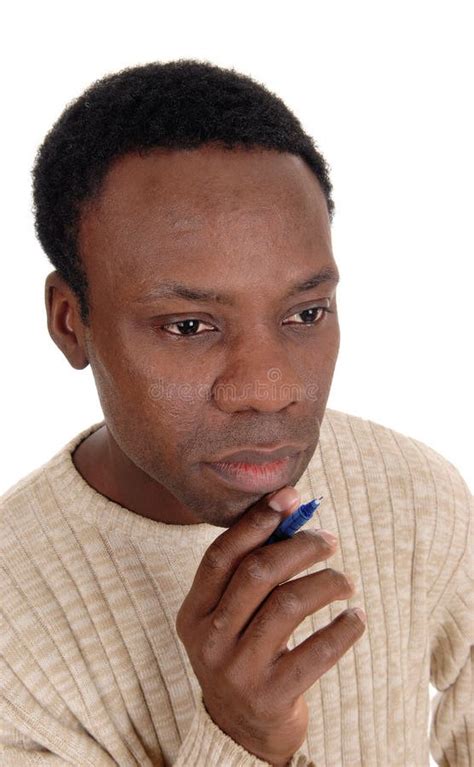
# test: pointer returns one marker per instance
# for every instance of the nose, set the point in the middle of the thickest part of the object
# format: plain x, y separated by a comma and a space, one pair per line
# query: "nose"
258, 375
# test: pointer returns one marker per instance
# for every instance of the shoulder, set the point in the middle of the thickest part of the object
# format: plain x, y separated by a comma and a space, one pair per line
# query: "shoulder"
20, 490
27, 508
382, 448
417, 482
34, 494
21, 508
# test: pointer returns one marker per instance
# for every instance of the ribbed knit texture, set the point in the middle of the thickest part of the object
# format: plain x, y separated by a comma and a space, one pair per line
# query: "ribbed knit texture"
92, 672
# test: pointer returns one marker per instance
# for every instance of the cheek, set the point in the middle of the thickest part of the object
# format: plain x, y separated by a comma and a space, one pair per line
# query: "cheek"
170, 390
178, 385
179, 402
124, 379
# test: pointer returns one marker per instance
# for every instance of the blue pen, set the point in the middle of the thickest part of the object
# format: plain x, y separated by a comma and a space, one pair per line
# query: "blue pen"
291, 524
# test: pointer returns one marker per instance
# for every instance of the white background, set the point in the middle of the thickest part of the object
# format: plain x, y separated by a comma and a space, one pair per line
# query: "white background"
385, 88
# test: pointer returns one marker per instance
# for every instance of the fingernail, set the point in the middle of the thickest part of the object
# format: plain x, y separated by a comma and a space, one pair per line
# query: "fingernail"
284, 498
361, 614
329, 537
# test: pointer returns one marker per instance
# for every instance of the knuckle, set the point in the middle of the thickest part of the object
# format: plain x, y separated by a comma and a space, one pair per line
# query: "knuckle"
318, 544
297, 672
325, 652
263, 520
286, 601
342, 582
219, 618
256, 567
333, 577
216, 557
314, 535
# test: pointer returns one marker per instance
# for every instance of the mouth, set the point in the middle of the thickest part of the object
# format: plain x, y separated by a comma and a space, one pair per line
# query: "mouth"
255, 477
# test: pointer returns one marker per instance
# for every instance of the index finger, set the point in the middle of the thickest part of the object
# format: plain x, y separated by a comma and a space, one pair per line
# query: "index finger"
224, 554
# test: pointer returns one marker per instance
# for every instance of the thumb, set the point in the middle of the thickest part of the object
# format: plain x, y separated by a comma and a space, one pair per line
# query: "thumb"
286, 499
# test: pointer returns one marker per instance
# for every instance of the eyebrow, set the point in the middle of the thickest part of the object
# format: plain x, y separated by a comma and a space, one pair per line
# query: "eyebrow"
172, 289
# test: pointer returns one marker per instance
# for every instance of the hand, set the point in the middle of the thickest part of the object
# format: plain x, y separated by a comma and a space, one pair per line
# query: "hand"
236, 620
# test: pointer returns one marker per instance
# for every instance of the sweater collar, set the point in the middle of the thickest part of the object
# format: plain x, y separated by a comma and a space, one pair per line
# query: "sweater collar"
79, 499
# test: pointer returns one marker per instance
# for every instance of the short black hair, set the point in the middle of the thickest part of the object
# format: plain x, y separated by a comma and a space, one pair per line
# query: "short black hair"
179, 104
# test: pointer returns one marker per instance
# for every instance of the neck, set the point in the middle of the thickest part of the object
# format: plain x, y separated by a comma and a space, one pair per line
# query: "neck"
110, 472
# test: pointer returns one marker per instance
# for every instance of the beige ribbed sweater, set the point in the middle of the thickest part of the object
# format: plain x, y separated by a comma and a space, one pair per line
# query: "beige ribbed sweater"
92, 671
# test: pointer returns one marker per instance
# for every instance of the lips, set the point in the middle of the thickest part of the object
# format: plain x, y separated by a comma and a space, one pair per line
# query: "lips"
259, 456
261, 476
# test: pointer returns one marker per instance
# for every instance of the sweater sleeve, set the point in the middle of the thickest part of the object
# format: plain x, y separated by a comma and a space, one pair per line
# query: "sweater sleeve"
206, 745
452, 659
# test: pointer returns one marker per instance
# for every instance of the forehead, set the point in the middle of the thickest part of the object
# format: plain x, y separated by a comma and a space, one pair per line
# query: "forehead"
156, 207
178, 184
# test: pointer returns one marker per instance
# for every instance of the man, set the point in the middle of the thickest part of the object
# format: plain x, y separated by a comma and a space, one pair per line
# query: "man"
187, 216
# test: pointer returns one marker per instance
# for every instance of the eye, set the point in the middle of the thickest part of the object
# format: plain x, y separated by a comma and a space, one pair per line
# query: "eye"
188, 326
311, 318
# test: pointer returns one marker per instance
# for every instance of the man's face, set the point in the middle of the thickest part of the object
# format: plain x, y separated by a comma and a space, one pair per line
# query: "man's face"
253, 371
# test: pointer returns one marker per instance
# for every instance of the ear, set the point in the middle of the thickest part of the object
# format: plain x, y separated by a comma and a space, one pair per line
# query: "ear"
64, 323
